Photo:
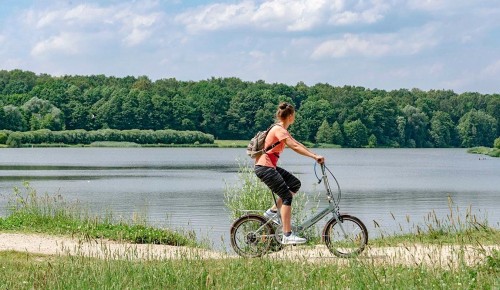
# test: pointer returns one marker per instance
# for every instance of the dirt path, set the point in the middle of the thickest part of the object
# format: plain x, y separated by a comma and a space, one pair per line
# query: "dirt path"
416, 254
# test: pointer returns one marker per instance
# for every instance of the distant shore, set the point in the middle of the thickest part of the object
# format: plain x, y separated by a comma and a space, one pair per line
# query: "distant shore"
492, 152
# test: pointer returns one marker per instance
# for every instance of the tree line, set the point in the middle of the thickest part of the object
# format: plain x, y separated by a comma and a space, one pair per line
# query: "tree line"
229, 108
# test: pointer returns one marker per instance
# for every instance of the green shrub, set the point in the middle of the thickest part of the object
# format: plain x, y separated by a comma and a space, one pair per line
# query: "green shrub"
15, 139
496, 144
108, 135
3, 137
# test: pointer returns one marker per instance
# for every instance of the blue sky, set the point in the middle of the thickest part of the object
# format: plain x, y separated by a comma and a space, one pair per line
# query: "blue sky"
383, 44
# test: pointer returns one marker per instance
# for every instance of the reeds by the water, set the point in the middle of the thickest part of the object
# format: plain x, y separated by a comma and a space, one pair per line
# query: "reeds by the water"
29, 212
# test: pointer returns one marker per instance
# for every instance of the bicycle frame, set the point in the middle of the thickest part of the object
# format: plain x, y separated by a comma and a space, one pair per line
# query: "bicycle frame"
332, 207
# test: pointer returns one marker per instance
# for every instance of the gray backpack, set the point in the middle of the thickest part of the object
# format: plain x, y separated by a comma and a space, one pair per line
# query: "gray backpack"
256, 146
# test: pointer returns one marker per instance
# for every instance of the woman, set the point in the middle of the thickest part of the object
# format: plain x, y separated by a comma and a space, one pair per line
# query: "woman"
280, 181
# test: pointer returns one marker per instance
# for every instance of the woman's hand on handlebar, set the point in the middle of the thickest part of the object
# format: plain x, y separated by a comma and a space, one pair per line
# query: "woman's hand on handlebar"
320, 159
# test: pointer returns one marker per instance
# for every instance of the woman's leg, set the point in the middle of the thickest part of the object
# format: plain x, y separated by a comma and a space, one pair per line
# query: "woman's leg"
291, 181
286, 218
275, 181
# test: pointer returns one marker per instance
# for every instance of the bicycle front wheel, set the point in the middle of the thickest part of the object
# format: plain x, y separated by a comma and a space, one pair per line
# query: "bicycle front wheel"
251, 236
345, 237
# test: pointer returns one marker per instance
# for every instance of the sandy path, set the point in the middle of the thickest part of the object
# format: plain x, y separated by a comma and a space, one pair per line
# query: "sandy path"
99, 248
441, 256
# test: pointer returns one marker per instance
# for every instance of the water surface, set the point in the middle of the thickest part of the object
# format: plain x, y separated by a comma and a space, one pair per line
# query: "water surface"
184, 187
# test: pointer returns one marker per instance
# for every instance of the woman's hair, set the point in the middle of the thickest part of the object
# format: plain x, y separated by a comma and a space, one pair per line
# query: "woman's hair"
284, 110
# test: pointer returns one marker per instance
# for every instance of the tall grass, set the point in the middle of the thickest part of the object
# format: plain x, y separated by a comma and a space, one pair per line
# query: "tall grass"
29, 212
28, 271
456, 227
250, 194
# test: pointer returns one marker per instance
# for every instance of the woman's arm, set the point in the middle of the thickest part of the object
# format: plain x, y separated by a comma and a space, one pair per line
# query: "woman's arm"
301, 149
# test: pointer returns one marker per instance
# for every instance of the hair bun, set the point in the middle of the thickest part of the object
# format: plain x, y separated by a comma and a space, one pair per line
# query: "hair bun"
283, 106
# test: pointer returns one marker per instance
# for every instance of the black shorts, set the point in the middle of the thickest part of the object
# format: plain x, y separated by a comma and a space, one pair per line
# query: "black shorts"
280, 181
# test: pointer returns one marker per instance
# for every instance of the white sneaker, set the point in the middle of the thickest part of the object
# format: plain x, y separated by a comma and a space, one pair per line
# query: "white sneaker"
292, 240
273, 216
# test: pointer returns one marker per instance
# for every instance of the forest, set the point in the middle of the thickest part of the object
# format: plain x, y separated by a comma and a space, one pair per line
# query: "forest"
233, 109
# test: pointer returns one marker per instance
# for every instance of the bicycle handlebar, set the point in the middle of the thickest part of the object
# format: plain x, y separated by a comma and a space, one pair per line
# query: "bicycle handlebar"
324, 177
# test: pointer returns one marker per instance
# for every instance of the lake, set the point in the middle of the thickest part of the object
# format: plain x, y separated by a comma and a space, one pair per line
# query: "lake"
184, 187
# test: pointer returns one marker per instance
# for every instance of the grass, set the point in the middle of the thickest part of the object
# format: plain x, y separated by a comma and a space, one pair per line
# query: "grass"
29, 212
231, 143
480, 235
456, 228
28, 271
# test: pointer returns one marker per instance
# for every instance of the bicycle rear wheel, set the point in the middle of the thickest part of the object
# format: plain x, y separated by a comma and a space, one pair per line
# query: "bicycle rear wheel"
346, 238
251, 236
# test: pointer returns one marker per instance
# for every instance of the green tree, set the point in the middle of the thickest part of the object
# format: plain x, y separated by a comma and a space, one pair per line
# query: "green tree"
19, 82
265, 116
381, 116
212, 100
355, 134
416, 124
14, 119
372, 141
401, 124
443, 130
313, 113
325, 133
337, 135
242, 112
493, 109
43, 115
476, 128
2, 117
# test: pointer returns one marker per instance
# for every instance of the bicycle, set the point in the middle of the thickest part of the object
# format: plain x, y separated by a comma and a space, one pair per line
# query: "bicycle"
253, 235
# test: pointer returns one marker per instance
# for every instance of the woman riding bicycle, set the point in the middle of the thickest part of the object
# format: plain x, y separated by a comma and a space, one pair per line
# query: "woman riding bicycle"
280, 181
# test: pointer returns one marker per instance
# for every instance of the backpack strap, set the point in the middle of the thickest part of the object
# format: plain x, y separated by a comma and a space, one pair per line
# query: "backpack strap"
273, 145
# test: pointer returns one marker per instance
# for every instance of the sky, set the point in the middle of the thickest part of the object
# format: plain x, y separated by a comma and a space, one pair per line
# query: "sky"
376, 44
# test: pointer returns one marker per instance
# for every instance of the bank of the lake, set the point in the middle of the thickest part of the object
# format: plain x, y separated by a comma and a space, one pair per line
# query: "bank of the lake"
122, 144
492, 152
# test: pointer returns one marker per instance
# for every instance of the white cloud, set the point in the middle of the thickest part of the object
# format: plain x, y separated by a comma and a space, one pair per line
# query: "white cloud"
350, 45
217, 16
84, 14
130, 22
291, 15
138, 28
365, 13
64, 43
375, 45
287, 15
